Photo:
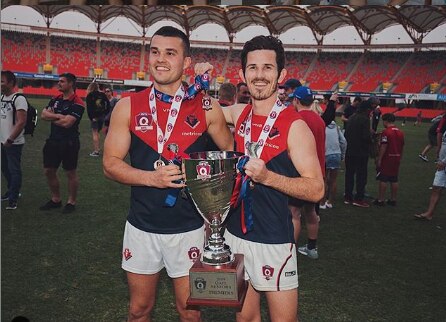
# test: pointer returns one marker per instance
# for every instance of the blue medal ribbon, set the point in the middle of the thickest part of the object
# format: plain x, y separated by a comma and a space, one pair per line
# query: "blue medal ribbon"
242, 193
201, 83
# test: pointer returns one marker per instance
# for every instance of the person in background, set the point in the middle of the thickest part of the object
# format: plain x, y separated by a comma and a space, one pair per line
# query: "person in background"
309, 110
290, 86
439, 183
227, 94
243, 95
113, 100
98, 106
335, 147
358, 136
64, 112
13, 114
388, 160
350, 110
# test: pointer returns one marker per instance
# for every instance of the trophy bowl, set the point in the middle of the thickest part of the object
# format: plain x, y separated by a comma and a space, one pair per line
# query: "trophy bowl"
210, 178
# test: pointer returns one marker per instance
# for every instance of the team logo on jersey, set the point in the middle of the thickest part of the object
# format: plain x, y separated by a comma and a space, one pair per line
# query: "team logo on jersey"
192, 121
274, 133
143, 122
193, 253
200, 284
203, 170
267, 272
127, 254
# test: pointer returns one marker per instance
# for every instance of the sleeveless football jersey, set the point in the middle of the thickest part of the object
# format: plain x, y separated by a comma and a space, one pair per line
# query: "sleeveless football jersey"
271, 216
147, 211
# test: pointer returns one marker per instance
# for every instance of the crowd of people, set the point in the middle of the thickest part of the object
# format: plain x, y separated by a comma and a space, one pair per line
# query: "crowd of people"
292, 179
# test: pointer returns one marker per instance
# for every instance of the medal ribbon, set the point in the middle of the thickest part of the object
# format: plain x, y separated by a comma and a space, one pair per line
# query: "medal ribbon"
267, 127
242, 193
201, 83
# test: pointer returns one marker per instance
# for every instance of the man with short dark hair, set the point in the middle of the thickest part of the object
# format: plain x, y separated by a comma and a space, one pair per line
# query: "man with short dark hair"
62, 147
388, 160
282, 167
243, 95
350, 109
227, 94
358, 136
290, 85
13, 114
159, 234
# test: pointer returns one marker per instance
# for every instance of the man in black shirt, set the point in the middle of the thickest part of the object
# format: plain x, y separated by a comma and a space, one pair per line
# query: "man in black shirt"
98, 106
64, 112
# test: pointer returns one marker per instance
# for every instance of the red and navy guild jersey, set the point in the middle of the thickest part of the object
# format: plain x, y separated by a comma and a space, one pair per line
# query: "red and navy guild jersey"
271, 216
147, 211
73, 106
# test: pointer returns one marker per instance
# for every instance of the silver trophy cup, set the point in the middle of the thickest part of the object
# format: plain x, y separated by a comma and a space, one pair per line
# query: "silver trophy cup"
210, 178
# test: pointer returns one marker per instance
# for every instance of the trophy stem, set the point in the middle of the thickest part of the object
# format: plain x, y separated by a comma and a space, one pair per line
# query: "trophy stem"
216, 251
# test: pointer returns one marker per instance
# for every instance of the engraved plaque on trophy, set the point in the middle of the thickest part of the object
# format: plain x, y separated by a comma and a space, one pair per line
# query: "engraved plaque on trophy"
218, 278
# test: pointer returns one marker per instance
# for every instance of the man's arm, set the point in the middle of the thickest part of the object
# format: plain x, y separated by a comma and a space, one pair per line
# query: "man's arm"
310, 185
116, 147
382, 150
217, 128
61, 120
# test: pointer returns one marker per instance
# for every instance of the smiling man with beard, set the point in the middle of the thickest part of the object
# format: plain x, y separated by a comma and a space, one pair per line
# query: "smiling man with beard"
157, 233
286, 166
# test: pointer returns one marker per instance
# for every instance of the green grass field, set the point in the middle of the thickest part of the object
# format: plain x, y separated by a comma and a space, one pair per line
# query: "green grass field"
376, 264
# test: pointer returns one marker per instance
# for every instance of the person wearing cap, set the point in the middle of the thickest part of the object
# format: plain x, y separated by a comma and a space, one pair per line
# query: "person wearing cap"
290, 85
359, 139
302, 100
64, 112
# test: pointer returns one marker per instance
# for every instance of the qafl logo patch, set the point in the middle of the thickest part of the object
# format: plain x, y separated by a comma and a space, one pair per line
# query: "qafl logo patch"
193, 253
203, 170
241, 129
143, 122
268, 272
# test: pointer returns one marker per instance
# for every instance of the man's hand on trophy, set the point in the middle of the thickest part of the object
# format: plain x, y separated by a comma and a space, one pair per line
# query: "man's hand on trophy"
201, 68
166, 175
256, 170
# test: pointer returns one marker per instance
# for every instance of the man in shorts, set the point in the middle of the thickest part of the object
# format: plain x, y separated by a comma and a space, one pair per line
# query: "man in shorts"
146, 125
388, 160
284, 167
65, 113
302, 101
438, 185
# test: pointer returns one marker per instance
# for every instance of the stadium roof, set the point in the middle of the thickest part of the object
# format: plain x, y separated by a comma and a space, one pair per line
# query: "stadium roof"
417, 20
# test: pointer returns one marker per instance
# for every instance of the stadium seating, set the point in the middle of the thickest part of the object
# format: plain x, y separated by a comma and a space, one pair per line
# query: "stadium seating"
22, 51
376, 68
409, 72
329, 69
423, 68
